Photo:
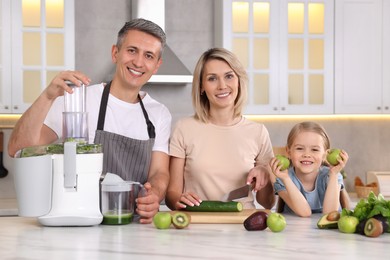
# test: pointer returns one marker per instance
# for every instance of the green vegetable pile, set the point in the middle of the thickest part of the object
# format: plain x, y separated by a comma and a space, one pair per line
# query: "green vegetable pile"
81, 148
367, 208
372, 206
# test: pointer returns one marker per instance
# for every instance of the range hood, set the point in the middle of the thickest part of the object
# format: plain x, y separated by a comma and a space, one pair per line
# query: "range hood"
172, 70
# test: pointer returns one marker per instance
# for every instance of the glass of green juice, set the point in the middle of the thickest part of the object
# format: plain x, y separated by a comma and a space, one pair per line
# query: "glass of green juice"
117, 203
117, 218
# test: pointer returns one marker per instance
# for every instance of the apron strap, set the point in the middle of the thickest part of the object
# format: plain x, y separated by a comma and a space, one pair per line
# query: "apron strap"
103, 108
151, 132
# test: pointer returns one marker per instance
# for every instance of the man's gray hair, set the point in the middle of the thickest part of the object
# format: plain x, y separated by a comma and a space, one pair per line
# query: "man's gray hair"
145, 26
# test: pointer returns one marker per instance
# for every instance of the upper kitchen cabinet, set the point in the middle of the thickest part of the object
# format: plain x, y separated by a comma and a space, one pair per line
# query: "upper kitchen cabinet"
287, 49
5, 58
37, 39
362, 56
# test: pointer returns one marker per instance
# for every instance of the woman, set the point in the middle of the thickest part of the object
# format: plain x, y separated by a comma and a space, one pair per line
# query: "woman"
217, 150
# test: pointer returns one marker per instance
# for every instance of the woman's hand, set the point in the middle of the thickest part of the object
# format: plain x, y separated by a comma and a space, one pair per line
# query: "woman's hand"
259, 177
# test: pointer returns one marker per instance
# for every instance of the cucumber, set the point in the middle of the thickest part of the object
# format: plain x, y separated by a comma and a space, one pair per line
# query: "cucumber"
216, 206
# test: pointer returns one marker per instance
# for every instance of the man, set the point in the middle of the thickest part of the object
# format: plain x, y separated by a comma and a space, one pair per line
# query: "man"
133, 128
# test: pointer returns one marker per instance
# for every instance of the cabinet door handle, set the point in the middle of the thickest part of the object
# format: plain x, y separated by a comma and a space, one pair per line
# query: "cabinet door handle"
16, 107
283, 108
275, 108
378, 108
386, 108
6, 107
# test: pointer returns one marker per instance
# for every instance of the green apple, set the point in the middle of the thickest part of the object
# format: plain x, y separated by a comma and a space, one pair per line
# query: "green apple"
162, 220
276, 222
333, 156
348, 224
283, 161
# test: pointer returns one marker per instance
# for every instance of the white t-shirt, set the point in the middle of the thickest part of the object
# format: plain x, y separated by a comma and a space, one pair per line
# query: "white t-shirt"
121, 117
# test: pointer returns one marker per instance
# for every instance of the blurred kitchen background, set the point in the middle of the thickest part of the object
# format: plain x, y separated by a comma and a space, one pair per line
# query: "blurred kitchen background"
334, 72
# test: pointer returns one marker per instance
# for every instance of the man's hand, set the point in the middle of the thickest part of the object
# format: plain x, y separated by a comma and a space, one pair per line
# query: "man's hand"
58, 85
148, 204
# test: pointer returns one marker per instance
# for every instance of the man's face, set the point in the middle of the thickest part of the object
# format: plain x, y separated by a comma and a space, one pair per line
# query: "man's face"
137, 59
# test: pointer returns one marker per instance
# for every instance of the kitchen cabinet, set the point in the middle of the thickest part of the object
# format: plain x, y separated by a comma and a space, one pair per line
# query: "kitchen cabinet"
362, 56
5, 60
37, 39
287, 49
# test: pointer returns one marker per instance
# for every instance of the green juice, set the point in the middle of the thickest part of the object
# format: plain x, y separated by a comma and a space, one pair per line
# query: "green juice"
114, 218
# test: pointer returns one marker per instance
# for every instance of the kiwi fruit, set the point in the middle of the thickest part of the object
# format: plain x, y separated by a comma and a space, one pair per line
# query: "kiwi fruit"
181, 220
373, 228
385, 222
360, 227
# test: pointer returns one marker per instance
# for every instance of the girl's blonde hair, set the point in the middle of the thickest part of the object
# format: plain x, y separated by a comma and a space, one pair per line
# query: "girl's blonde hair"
200, 102
308, 127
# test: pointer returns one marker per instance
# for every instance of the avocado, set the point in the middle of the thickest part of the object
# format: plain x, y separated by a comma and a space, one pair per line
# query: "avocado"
325, 223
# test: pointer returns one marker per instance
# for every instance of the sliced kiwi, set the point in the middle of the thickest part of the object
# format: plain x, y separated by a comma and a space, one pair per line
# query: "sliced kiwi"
373, 228
181, 220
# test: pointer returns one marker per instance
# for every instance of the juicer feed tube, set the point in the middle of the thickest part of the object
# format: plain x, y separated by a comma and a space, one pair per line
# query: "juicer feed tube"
75, 115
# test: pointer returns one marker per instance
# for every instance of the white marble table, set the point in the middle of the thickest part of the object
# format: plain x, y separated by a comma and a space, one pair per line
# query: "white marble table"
24, 238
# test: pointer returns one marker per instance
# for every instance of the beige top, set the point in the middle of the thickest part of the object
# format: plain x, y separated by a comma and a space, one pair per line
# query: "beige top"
218, 158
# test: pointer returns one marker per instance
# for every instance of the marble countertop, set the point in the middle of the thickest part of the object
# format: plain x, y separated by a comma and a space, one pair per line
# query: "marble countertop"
25, 238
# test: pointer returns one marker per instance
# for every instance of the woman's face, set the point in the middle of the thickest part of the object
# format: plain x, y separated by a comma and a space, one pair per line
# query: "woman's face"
307, 152
220, 84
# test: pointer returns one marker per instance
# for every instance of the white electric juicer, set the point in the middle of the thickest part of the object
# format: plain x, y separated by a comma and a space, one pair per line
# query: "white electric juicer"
59, 183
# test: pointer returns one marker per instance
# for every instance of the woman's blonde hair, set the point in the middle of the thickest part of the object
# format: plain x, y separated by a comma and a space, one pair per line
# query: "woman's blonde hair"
200, 102
308, 127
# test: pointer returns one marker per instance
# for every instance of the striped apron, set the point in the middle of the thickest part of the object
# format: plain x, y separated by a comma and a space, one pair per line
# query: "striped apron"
129, 158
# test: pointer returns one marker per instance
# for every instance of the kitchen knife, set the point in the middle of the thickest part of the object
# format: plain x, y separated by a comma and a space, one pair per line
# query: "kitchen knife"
237, 193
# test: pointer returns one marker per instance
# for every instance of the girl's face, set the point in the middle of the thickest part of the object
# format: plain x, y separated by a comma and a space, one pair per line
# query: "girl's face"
307, 152
220, 84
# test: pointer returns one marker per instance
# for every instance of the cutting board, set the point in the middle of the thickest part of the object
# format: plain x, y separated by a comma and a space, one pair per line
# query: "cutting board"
221, 217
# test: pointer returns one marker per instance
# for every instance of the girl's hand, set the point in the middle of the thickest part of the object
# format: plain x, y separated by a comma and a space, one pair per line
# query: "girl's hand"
342, 162
275, 167
188, 199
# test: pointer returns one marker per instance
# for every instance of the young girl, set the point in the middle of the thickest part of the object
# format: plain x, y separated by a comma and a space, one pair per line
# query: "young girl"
308, 186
